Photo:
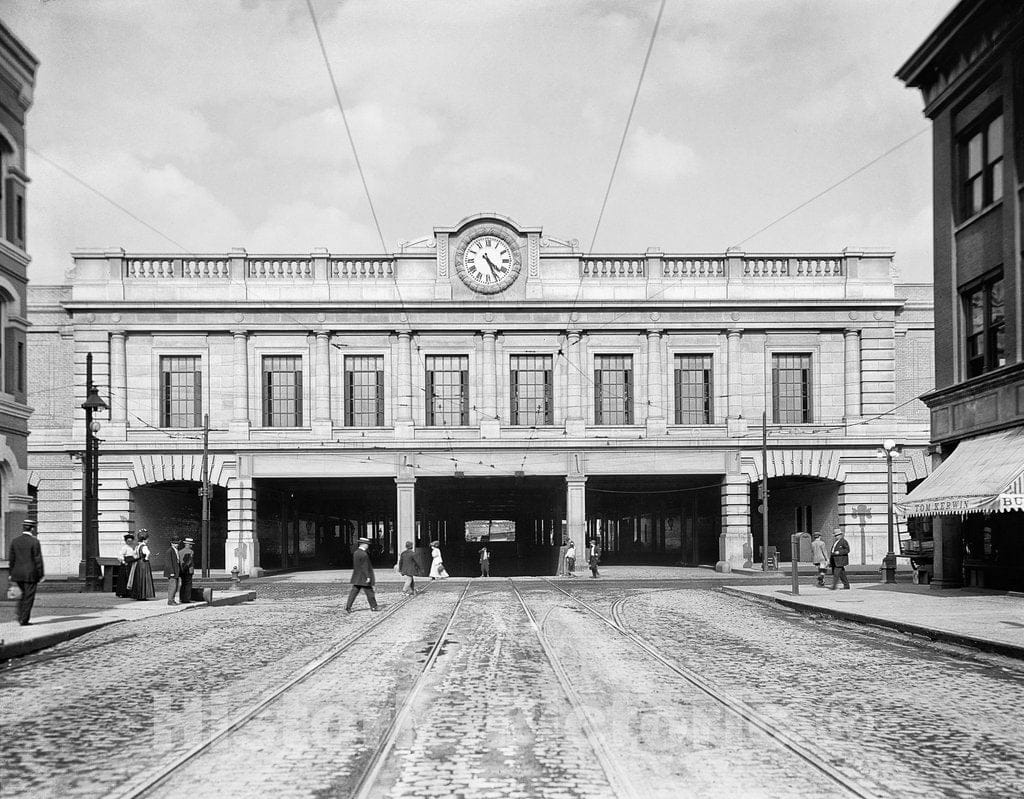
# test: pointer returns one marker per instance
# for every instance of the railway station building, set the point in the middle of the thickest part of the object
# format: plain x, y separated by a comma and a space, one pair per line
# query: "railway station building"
486, 382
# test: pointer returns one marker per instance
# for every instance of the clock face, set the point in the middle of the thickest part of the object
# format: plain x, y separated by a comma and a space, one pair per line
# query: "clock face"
488, 260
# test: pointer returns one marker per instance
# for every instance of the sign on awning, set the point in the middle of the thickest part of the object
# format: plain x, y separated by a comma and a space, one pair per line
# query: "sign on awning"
983, 475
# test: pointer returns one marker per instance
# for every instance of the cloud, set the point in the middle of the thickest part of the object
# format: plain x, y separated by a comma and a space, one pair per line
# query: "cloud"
654, 156
301, 226
385, 137
66, 216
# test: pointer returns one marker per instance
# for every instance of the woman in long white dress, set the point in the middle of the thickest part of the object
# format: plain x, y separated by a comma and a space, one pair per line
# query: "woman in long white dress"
437, 570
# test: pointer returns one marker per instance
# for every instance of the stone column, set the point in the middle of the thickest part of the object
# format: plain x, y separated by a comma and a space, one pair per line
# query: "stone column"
242, 547
405, 485
575, 420
490, 427
322, 423
118, 383
403, 416
576, 513
734, 373
657, 422
852, 359
240, 415
734, 544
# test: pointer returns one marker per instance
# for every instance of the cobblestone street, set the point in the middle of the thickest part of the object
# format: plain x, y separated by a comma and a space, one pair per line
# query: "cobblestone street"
603, 689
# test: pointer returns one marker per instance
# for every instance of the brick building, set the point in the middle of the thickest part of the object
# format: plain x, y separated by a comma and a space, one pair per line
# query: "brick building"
484, 380
970, 72
17, 81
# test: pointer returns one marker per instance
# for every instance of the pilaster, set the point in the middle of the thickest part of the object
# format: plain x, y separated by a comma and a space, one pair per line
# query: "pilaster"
242, 546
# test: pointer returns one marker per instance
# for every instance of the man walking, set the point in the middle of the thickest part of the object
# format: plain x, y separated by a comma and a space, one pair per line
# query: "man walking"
838, 560
409, 569
819, 557
25, 560
188, 568
570, 560
485, 562
595, 556
172, 571
362, 576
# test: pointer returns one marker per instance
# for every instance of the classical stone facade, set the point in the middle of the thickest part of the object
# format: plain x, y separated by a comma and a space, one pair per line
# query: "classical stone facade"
484, 378
17, 81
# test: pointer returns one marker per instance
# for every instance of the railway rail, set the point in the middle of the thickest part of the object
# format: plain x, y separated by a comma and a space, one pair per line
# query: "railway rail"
817, 760
157, 777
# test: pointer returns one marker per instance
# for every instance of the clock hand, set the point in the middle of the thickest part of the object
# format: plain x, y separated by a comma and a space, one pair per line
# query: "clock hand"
490, 263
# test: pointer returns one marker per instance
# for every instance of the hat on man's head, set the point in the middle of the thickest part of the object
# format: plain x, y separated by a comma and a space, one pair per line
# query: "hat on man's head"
839, 531
126, 536
190, 540
815, 535
28, 524
364, 540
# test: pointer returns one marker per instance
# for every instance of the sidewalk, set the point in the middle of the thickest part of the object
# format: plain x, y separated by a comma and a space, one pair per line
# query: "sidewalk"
59, 616
987, 620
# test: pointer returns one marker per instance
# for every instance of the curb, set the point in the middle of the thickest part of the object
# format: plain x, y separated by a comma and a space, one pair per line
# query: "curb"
19, 649
36, 643
982, 644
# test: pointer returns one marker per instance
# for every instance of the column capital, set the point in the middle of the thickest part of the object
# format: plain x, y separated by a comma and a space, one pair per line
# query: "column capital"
655, 332
323, 334
118, 333
239, 333
734, 332
851, 331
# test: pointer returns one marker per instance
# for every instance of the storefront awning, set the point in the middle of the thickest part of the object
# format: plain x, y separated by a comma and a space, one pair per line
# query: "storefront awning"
983, 475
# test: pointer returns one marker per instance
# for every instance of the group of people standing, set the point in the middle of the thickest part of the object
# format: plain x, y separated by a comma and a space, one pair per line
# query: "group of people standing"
593, 558
135, 577
838, 558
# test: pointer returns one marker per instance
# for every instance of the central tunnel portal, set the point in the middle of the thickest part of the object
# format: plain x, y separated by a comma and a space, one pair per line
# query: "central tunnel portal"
639, 519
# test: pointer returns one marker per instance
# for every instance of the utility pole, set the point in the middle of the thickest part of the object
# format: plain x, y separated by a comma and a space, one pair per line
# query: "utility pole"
205, 491
764, 490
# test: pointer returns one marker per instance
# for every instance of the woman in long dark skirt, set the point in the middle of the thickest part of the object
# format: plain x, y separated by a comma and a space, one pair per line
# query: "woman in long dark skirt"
127, 558
140, 579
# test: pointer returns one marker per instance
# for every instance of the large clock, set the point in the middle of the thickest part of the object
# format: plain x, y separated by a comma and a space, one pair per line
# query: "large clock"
488, 260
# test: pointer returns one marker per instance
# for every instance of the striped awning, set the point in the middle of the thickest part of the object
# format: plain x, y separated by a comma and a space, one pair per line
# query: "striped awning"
983, 475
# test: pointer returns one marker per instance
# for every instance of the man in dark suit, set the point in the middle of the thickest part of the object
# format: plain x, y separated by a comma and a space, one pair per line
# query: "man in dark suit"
25, 559
839, 558
172, 571
362, 576
188, 568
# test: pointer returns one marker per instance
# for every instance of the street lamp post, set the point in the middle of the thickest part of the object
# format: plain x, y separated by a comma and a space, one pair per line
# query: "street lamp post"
889, 564
89, 568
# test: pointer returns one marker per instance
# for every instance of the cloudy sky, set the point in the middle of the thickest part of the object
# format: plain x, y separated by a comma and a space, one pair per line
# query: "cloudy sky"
215, 123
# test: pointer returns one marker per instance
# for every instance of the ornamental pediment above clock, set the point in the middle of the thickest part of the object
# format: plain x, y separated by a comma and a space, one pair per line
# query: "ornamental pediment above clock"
487, 253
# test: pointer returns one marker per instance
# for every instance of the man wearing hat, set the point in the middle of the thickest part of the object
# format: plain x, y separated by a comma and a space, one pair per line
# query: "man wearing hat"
819, 556
187, 558
362, 576
839, 558
25, 559
172, 571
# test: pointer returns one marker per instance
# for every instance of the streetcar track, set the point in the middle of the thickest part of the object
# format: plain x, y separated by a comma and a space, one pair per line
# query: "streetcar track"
371, 770
159, 775
802, 749
618, 781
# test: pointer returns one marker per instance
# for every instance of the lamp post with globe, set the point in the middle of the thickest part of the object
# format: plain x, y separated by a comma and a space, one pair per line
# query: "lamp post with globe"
889, 447
89, 568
